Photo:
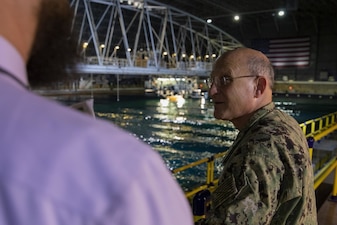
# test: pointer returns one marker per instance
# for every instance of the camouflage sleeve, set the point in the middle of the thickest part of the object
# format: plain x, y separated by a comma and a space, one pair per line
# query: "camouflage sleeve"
248, 194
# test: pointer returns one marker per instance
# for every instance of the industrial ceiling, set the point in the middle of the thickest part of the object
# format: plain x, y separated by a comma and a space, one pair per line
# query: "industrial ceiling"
260, 19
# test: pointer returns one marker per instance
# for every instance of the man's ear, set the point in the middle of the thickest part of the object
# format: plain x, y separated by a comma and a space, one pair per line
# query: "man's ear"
261, 86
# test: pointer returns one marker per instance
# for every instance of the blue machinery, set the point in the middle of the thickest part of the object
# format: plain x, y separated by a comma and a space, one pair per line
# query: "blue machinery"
321, 148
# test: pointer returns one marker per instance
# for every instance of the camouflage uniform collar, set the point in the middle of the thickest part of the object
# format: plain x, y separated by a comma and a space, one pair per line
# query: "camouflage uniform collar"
257, 115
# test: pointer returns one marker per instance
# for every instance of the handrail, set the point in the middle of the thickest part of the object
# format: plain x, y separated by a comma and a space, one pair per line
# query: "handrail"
314, 129
324, 172
317, 126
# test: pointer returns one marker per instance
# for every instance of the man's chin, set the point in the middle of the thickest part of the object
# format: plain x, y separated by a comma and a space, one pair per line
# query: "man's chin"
219, 109
219, 115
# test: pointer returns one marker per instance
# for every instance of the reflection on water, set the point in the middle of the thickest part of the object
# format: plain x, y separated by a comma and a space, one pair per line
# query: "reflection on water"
288, 107
170, 125
182, 131
185, 131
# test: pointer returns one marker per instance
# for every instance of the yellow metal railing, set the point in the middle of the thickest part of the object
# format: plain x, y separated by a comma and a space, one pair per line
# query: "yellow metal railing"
319, 127
210, 181
314, 130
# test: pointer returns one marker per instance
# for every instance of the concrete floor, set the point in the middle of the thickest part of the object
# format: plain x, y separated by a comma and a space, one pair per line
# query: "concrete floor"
327, 210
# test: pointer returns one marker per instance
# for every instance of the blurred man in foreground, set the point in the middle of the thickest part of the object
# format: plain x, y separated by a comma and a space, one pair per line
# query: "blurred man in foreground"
59, 166
267, 176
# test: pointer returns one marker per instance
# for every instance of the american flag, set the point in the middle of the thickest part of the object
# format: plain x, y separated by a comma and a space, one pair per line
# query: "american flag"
285, 52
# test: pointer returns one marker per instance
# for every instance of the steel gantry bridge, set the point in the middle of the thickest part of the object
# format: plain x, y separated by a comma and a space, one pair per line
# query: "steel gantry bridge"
145, 37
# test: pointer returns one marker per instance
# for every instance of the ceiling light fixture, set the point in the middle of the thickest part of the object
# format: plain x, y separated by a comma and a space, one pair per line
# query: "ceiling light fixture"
281, 13
236, 17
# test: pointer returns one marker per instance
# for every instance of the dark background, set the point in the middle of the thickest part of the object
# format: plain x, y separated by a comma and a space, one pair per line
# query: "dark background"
304, 18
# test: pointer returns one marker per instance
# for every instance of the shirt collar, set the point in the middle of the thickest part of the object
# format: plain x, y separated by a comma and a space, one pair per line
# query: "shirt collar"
12, 61
259, 114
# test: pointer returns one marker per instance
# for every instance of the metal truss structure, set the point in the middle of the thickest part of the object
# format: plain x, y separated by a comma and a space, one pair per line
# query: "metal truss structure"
145, 37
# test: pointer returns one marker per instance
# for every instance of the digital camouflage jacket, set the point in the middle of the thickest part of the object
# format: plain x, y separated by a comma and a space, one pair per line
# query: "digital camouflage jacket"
267, 176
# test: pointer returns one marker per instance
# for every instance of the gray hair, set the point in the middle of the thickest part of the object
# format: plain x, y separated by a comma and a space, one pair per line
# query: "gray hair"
261, 66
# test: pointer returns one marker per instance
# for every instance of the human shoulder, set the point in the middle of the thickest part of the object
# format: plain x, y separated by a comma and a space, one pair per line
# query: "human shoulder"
62, 129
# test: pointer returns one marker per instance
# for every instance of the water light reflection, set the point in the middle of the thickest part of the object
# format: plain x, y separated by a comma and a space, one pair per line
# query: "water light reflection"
186, 132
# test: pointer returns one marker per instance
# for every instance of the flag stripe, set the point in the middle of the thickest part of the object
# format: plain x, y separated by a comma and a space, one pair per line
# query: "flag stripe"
288, 45
282, 64
289, 59
305, 49
291, 54
286, 40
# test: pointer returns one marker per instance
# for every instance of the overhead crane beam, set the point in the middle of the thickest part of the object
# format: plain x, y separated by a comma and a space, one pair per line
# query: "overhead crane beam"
165, 39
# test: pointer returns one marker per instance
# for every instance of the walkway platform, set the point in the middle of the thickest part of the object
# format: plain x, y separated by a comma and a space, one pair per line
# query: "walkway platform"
324, 150
327, 210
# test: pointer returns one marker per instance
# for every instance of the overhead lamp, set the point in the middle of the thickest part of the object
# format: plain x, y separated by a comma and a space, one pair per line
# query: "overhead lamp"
209, 20
236, 17
281, 13
85, 45
135, 3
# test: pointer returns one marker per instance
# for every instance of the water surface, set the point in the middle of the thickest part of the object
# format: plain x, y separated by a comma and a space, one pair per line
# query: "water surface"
184, 132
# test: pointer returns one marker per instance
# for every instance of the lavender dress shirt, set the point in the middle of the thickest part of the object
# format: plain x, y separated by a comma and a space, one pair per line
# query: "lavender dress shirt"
60, 166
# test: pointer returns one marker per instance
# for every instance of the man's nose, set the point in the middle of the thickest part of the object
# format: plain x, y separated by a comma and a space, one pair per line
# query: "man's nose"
212, 90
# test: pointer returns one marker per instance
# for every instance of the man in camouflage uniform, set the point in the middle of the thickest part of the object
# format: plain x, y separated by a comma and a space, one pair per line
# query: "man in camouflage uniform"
267, 176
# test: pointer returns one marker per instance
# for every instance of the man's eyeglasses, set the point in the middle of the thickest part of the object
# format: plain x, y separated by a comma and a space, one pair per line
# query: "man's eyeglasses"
222, 81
